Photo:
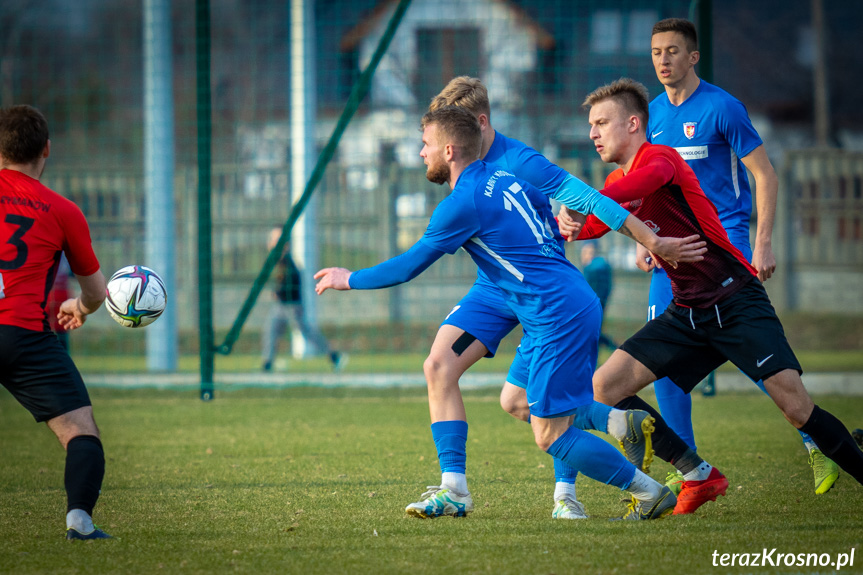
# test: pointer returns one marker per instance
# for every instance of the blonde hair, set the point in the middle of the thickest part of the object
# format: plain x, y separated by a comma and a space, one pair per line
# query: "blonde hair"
456, 126
632, 95
464, 92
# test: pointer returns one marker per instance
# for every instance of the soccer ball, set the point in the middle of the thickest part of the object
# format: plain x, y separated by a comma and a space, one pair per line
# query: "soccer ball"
136, 296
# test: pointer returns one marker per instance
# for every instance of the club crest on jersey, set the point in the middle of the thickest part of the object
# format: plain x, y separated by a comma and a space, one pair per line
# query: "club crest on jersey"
689, 129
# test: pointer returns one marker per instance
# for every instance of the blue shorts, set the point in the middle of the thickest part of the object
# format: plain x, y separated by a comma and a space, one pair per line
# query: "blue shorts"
660, 286
519, 370
556, 368
484, 314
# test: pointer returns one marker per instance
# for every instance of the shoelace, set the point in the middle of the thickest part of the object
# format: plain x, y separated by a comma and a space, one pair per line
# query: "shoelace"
816, 463
432, 490
572, 505
632, 507
672, 476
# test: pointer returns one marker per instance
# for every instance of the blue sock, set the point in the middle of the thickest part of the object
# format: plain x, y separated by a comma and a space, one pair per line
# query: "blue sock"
563, 472
450, 439
593, 457
592, 416
676, 408
804, 436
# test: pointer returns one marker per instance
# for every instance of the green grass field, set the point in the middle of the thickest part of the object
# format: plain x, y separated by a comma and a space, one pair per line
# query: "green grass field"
812, 362
315, 481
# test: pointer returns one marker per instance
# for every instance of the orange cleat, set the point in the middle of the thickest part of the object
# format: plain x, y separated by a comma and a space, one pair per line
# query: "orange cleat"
694, 494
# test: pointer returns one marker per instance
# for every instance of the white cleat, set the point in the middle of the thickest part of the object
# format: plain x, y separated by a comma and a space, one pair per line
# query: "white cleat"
440, 501
568, 508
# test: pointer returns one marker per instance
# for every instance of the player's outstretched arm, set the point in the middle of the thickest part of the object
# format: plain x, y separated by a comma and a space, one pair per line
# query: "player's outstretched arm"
398, 270
332, 278
74, 311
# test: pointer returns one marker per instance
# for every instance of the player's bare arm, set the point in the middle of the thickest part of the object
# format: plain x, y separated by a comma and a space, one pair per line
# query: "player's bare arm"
569, 222
766, 190
332, 278
644, 260
74, 311
672, 250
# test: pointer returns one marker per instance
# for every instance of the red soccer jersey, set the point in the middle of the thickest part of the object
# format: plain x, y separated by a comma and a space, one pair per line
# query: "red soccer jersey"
36, 225
663, 192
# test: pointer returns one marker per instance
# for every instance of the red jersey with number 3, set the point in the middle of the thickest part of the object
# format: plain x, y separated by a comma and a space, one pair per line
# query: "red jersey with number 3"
662, 191
36, 225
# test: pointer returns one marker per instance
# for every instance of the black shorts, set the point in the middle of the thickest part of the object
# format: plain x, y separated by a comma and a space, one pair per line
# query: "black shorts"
686, 344
38, 372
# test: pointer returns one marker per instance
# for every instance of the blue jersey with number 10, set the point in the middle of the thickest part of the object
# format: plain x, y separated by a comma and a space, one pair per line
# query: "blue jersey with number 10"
506, 226
711, 131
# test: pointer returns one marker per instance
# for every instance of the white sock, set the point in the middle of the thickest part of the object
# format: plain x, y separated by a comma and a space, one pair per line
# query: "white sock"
455, 481
562, 488
617, 424
809, 446
700, 473
644, 488
80, 521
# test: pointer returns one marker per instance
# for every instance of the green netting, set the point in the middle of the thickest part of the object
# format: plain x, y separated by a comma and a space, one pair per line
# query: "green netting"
83, 64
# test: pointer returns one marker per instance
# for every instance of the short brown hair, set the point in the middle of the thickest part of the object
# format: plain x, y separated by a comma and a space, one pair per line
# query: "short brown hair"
631, 94
23, 134
681, 26
464, 92
457, 126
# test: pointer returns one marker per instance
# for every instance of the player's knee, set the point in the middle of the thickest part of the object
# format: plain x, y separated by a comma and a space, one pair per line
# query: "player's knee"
514, 404
787, 391
438, 373
600, 386
543, 440
506, 403
70, 425
432, 367
69, 433
798, 415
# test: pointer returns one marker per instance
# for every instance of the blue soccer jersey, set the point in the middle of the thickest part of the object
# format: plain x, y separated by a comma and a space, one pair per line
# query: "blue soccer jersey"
528, 164
505, 225
483, 312
711, 130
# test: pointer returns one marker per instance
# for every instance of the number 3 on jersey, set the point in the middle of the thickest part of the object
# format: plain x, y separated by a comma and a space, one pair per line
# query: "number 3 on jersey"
23, 225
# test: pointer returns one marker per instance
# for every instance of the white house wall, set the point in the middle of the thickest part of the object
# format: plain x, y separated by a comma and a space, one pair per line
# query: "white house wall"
509, 50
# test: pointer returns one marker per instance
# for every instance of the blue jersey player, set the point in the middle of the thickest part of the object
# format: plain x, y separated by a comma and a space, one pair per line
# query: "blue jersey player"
503, 224
712, 131
481, 319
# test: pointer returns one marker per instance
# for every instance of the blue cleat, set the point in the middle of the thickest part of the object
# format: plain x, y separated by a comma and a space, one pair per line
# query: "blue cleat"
75, 535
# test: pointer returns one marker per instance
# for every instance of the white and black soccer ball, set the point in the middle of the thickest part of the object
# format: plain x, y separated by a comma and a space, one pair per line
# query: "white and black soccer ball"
136, 296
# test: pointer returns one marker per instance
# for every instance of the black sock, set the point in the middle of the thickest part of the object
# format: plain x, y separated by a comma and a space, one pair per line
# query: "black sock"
85, 468
833, 439
667, 445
